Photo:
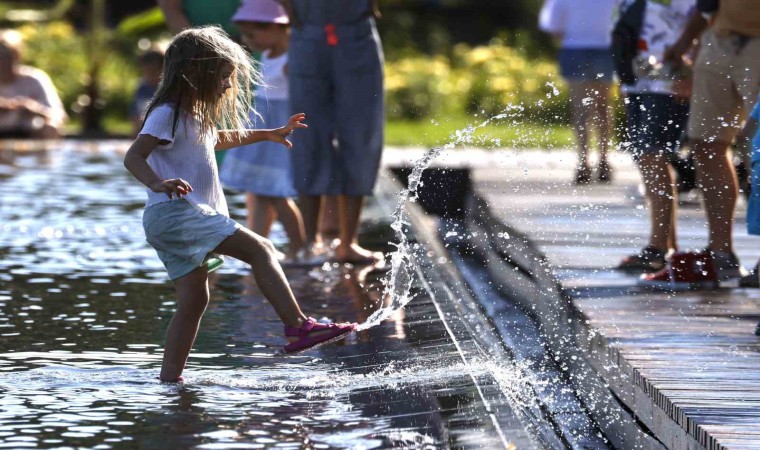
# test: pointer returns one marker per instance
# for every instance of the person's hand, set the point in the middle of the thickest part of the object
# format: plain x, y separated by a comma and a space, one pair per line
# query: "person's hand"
674, 54
24, 104
280, 135
27, 104
173, 187
11, 103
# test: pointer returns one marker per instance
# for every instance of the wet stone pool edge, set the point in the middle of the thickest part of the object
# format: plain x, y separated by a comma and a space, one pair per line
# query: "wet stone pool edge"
437, 279
522, 274
525, 276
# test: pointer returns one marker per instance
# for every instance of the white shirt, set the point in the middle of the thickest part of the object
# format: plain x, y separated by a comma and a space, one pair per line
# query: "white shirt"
185, 156
581, 23
661, 28
275, 80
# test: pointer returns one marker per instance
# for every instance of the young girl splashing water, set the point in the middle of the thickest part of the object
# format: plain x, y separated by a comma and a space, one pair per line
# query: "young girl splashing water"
207, 80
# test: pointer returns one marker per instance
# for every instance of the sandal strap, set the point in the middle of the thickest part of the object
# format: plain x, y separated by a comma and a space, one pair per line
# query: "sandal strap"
309, 325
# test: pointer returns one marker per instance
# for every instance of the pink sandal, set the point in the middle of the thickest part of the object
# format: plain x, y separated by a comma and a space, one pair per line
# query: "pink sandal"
330, 332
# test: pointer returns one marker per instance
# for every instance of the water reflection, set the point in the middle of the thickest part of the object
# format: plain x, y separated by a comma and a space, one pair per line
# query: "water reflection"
84, 304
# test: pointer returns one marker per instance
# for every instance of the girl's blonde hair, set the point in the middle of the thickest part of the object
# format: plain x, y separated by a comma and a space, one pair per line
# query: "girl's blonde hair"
193, 66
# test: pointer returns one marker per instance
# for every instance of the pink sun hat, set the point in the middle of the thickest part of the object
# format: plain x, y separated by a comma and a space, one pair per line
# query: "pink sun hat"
264, 11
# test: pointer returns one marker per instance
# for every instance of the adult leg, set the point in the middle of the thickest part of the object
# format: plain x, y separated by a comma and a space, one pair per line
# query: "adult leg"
717, 179
313, 154
329, 227
602, 121
310, 210
348, 250
360, 129
659, 182
291, 220
261, 214
579, 116
192, 299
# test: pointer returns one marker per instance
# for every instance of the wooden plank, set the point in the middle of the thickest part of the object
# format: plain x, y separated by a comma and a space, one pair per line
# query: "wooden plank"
693, 355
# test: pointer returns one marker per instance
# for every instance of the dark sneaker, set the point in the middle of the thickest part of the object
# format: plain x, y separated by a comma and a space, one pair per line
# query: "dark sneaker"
726, 265
752, 279
583, 175
649, 259
604, 172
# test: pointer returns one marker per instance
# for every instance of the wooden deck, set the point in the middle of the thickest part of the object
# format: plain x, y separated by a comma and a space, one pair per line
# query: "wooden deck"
686, 364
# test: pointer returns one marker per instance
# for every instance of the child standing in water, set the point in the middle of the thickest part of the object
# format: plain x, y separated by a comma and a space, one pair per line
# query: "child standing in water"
207, 80
263, 172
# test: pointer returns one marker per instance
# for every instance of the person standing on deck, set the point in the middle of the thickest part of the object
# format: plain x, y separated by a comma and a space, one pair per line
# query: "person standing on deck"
585, 62
726, 85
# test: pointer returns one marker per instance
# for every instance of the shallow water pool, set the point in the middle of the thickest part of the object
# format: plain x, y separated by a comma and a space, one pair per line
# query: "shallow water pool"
84, 303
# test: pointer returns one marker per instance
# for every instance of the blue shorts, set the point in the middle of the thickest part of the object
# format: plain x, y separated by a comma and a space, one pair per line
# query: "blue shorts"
184, 235
586, 64
656, 123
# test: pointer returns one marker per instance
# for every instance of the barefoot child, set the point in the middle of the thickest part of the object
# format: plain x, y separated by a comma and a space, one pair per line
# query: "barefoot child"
206, 81
263, 170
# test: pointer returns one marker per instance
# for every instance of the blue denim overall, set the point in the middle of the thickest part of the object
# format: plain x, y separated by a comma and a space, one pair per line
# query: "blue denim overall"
335, 69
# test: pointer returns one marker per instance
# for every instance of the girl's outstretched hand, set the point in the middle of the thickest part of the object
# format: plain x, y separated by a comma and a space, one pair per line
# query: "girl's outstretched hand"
173, 187
280, 135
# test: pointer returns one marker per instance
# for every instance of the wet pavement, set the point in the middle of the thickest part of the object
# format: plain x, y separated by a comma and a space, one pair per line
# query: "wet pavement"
685, 364
84, 304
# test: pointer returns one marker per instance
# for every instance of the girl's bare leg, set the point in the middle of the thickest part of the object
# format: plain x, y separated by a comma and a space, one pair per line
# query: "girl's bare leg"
260, 254
290, 217
261, 213
192, 299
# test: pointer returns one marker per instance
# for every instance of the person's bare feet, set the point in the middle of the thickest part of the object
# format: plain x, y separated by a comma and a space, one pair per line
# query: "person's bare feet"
355, 254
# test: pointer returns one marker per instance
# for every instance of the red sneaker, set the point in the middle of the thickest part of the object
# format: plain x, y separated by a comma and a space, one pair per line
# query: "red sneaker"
685, 271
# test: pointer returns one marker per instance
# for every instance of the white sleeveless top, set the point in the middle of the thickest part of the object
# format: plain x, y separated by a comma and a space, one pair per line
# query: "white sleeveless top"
186, 157
275, 80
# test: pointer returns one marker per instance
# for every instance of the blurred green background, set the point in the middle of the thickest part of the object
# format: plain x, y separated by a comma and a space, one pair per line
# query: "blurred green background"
449, 64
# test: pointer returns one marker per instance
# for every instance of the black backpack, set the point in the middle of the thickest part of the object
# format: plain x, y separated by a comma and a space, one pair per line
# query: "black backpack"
625, 41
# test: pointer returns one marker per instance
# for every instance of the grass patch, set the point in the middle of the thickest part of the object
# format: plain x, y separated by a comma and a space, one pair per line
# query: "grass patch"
430, 133
426, 133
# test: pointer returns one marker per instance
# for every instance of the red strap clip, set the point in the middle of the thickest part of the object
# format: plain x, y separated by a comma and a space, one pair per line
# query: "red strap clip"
332, 38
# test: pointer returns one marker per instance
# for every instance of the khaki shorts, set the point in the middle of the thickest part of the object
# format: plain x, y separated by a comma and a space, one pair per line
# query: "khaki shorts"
726, 84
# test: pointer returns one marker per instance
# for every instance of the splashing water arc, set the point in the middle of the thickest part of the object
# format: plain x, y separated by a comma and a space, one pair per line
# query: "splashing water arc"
398, 282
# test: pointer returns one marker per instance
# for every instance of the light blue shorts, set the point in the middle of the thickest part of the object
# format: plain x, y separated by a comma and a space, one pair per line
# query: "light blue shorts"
184, 235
